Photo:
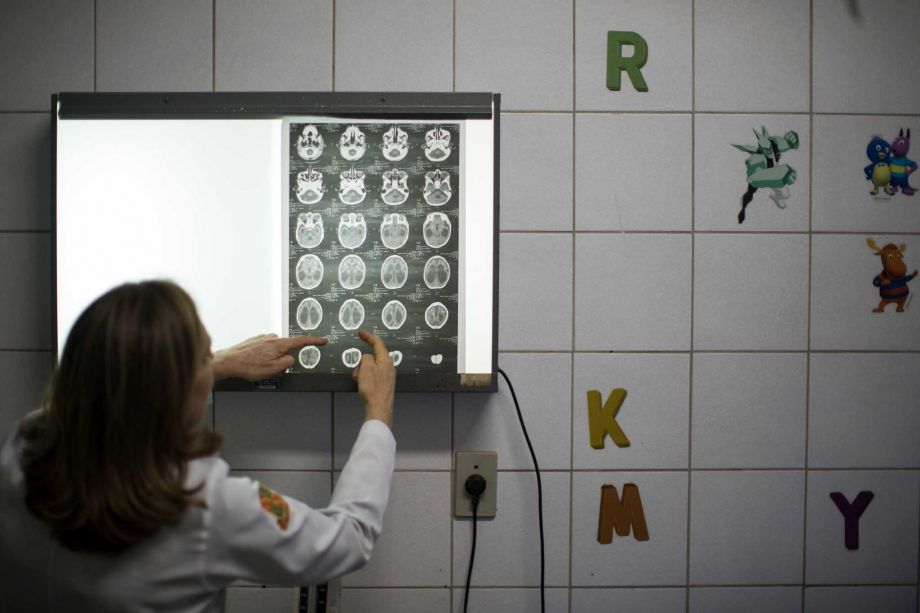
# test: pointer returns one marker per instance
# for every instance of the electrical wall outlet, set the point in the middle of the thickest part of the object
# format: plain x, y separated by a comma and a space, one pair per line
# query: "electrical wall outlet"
468, 463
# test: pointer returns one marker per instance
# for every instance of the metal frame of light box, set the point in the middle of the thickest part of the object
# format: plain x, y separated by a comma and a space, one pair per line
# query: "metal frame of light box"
255, 105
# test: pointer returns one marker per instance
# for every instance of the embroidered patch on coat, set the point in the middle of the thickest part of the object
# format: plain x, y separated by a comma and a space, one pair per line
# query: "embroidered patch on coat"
276, 505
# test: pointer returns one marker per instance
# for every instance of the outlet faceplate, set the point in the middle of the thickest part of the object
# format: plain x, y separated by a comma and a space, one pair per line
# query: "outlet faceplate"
467, 463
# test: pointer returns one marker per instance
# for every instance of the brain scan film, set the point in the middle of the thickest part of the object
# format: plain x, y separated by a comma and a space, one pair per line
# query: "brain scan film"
310, 144
310, 188
436, 315
309, 271
373, 221
309, 314
395, 144
437, 187
394, 230
393, 315
309, 231
394, 190
351, 314
352, 230
351, 272
437, 144
396, 356
352, 144
436, 230
351, 186
394, 272
351, 357
436, 273
309, 357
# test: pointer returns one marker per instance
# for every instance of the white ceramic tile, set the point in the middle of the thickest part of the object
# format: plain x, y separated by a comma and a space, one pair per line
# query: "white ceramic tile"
887, 528
751, 55
721, 178
864, 411
746, 527
359, 600
24, 375
632, 292
414, 548
842, 200
860, 599
394, 45
275, 430
536, 165
490, 421
747, 599
647, 600
25, 302
273, 46
154, 46
843, 297
261, 600
864, 57
750, 292
666, 26
632, 172
661, 560
655, 415
749, 410
45, 47
514, 534
25, 179
520, 48
511, 600
535, 292
421, 425
313, 488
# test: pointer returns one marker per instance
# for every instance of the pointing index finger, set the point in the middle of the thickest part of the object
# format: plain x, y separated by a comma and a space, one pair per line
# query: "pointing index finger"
298, 342
380, 350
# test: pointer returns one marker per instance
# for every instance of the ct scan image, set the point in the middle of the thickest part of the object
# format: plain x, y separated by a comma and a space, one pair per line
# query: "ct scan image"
373, 212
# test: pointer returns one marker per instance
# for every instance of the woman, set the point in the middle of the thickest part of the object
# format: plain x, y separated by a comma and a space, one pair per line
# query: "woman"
113, 497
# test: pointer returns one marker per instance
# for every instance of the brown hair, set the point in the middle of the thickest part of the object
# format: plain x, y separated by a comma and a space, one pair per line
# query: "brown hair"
105, 461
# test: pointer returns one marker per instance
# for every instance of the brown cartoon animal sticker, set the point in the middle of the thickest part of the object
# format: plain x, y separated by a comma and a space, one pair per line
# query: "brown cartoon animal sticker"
892, 281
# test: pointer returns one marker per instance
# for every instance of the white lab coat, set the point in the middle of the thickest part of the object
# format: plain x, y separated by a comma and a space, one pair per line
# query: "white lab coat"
186, 567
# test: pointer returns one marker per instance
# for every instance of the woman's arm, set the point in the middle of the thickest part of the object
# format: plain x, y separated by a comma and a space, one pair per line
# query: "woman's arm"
259, 357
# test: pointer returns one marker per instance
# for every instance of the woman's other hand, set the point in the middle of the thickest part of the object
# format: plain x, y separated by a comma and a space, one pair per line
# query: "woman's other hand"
376, 377
259, 357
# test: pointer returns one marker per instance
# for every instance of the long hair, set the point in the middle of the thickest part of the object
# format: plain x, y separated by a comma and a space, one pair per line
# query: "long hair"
105, 462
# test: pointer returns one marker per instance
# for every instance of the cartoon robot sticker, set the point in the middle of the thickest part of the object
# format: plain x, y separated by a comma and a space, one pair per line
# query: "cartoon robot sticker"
764, 169
892, 281
890, 168
879, 172
901, 165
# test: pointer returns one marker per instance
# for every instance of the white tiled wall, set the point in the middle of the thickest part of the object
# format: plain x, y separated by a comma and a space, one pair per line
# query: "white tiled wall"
758, 378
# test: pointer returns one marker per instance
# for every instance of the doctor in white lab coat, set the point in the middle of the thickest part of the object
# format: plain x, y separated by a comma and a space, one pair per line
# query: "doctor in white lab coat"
113, 497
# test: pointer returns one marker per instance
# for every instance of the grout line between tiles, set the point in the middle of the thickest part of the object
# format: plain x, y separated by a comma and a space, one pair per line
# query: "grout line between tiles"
571, 546
334, 11
811, 190
95, 49
213, 45
692, 269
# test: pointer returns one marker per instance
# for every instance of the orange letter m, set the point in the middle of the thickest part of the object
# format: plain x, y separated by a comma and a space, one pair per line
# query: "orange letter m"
621, 514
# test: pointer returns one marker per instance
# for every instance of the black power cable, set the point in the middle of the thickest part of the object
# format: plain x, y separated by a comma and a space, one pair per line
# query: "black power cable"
475, 485
536, 467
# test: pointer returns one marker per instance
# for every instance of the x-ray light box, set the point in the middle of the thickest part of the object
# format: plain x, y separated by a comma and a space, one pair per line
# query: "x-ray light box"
294, 213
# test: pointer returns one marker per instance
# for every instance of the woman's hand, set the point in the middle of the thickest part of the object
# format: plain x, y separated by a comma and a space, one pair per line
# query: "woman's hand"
376, 377
259, 357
